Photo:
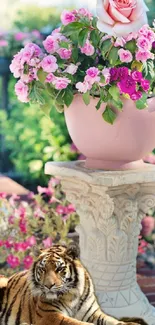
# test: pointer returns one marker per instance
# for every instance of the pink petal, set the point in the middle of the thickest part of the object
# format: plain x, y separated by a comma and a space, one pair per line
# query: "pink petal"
117, 16
125, 12
102, 13
122, 30
105, 28
138, 11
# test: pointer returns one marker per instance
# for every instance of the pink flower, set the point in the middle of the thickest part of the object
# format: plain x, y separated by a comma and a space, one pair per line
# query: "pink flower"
88, 49
65, 54
92, 75
31, 241
20, 246
47, 242
16, 67
60, 209
106, 74
13, 261
3, 195
36, 33
61, 83
127, 85
84, 12
120, 17
143, 56
125, 55
3, 43
27, 261
49, 64
50, 44
1, 243
53, 182
47, 190
114, 74
146, 32
9, 243
145, 84
35, 49
50, 77
143, 43
67, 17
22, 226
148, 225
70, 208
142, 246
123, 72
20, 36
136, 96
136, 75
11, 220
120, 41
83, 87
71, 69
22, 90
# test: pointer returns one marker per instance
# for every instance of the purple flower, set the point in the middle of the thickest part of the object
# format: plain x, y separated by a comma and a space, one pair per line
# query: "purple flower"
136, 96
136, 75
114, 73
127, 85
145, 84
123, 72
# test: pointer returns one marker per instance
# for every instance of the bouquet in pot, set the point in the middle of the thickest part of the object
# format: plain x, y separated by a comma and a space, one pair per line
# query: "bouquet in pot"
110, 57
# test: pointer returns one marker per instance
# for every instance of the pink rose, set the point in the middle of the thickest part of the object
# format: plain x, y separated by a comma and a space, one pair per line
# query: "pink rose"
50, 44
65, 54
85, 12
61, 83
13, 261
27, 261
88, 49
125, 55
21, 90
49, 64
67, 17
144, 44
50, 77
120, 17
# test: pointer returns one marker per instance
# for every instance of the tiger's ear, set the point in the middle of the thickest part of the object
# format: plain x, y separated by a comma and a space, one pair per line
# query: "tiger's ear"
36, 251
73, 251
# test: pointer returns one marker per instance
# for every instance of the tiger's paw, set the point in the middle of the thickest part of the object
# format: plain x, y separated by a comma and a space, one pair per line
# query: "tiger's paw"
133, 321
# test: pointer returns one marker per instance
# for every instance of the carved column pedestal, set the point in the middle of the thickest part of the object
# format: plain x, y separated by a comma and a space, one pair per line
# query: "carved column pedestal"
111, 206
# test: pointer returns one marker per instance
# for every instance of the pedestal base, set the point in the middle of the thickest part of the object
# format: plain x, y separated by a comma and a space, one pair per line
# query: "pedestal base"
111, 206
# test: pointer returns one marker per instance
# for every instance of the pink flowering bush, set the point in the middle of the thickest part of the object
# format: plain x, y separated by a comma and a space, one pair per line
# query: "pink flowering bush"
11, 42
79, 58
41, 219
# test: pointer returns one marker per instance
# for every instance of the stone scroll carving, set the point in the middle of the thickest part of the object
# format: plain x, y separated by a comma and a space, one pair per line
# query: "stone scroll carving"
110, 222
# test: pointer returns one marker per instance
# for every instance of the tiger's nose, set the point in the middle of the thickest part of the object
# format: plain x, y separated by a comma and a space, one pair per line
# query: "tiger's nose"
50, 286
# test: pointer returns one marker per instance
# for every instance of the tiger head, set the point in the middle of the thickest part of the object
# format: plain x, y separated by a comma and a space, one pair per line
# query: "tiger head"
54, 272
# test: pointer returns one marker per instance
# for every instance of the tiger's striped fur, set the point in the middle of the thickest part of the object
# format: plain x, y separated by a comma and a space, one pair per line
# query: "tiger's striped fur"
58, 290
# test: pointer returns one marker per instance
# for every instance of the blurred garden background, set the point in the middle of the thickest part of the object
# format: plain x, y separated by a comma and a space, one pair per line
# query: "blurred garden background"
29, 138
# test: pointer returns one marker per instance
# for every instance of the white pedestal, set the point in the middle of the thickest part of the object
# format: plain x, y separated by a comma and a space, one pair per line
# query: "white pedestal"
111, 206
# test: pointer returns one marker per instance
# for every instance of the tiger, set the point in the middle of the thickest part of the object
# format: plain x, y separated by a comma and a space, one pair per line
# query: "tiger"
56, 290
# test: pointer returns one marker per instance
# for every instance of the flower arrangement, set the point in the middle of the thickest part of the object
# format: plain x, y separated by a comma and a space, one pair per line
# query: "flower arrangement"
41, 219
11, 42
80, 58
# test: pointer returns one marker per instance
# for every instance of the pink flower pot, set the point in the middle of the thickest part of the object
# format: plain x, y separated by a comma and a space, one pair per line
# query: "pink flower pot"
111, 147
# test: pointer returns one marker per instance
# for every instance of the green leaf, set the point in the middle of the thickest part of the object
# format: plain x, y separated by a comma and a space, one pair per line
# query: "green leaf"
117, 104
113, 56
94, 21
68, 97
148, 69
131, 46
86, 98
99, 104
83, 36
41, 75
108, 115
114, 92
71, 28
142, 102
95, 38
59, 108
64, 44
105, 47
75, 55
